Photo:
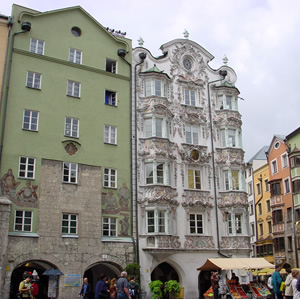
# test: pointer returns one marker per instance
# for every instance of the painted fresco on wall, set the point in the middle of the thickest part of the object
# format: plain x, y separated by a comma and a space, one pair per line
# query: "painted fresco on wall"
118, 204
26, 196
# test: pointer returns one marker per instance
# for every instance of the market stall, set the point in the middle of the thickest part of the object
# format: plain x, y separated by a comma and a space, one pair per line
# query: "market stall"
231, 288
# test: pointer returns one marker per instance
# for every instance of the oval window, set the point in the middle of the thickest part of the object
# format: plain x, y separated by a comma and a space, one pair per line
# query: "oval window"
76, 31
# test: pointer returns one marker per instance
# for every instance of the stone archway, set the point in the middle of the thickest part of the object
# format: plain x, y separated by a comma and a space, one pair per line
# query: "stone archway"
164, 272
40, 266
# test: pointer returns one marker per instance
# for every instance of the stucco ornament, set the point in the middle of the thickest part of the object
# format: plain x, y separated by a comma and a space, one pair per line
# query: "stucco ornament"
8, 183
28, 193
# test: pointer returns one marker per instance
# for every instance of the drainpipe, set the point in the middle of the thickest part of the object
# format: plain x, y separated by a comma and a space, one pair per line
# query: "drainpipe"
223, 74
26, 26
122, 53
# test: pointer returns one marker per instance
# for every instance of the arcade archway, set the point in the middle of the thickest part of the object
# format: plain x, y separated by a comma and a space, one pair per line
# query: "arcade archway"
164, 272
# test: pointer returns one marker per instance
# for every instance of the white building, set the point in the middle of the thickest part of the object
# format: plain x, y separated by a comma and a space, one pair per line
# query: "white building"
191, 194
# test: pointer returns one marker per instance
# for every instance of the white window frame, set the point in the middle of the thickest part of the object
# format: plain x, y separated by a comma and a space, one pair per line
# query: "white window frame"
30, 120
110, 134
37, 46
284, 160
110, 177
236, 227
111, 65
156, 173
34, 80
72, 127
24, 218
231, 137
192, 134
274, 166
69, 220
109, 225
192, 179
287, 185
155, 87
110, 98
193, 224
70, 173
228, 102
26, 166
73, 88
159, 214
189, 97
229, 184
75, 56
156, 127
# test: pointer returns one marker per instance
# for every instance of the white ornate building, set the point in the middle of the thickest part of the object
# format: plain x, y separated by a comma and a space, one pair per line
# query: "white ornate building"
189, 164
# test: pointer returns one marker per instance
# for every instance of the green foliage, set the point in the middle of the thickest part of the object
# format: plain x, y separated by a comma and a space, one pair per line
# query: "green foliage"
172, 287
156, 289
133, 269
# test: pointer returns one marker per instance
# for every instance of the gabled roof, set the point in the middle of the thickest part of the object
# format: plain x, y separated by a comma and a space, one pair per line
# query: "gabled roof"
275, 137
260, 155
293, 133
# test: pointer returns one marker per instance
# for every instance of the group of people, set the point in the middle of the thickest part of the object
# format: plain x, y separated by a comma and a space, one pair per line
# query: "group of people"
121, 288
28, 288
290, 289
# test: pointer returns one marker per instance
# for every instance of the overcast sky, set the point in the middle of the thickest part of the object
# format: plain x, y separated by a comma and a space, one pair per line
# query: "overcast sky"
261, 39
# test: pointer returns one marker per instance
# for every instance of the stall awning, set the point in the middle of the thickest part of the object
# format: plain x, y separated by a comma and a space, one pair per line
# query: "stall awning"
235, 263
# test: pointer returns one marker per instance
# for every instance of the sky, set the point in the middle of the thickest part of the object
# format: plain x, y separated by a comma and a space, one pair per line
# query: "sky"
261, 39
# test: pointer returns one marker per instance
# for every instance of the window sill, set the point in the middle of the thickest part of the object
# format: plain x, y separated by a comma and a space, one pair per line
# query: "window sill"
77, 97
110, 144
31, 130
73, 183
72, 236
33, 88
24, 234
111, 105
116, 239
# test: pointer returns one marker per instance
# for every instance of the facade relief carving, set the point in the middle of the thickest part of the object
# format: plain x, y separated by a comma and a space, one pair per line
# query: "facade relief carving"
187, 154
157, 147
199, 242
229, 156
235, 242
232, 199
197, 199
170, 242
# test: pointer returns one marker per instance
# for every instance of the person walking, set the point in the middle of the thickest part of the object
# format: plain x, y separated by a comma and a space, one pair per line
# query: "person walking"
25, 287
101, 291
86, 289
113, 289
296, 292
288, 285
122, 287
276, 282
214, 279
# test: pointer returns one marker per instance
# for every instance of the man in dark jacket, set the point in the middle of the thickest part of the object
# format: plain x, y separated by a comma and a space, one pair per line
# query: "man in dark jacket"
86, 290
101, 291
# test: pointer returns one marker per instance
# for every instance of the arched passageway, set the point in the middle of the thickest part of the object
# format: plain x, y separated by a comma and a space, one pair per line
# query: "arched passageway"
203, 283
164, 272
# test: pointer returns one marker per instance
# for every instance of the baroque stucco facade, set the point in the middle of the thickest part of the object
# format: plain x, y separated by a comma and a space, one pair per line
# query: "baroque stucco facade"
191, 197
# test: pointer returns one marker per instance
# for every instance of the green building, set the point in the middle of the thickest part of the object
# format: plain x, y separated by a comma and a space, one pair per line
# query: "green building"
65, 151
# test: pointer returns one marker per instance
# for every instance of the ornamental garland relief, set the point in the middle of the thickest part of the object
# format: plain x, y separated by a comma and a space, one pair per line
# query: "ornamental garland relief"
238, 199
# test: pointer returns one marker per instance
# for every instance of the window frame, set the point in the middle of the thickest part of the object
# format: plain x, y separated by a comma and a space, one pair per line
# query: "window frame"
108, 181
156, 127
198, 230
23, 223
284, 160
112, 227
223, 102
157, 173
29, 167
152, 89
189, 97
34, 46
73, 88
74, 128
30, 123
274, 166
192, 181
193, 136
73, 56
110, 137
286, 185
69, 227
111, 65
228, 179
36, 83
232, 226
158, 215
110, 98
69, 176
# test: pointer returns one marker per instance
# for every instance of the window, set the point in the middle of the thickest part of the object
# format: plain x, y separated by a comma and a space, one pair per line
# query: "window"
23, 221
252, 230
251, 208
194, 180
157, 221
275, 189
157, 173
297, 214
70, 172
110, 178
232, 179
34, 80
111, 98
72, 127
261, 229
192, 134
155, 88
296, 186
109, 226
290, 244
26, 167
277, 216
268, 205
270, 227
274, 166
284, 160
75, 56
250, 188
37, 46
111, 66
295, 161
189, 97
110, 134
227, 102
30, 120
286, 186
279, 244
73, 89
196, 224
157, 127
258, 187
69, 224
289, 214
231, 138
267, 185
259, 209
234, 223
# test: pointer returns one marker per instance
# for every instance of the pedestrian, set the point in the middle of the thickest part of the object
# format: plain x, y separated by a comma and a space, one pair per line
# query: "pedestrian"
86, 289
296, 277
113, 289
35, 289
133, 288
25, 287
288, 285
101, 292
214, 279
122, 287
276, 282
